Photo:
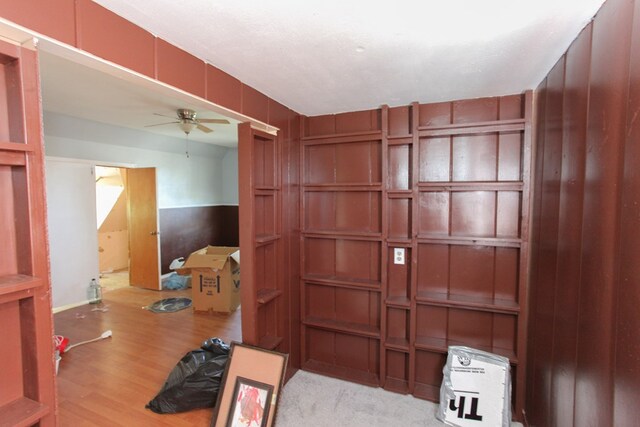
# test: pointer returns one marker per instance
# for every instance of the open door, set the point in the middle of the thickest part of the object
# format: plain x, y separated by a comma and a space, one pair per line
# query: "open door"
261, 245
142, 212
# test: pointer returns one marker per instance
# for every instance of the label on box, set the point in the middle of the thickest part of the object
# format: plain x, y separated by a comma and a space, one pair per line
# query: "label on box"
209, 285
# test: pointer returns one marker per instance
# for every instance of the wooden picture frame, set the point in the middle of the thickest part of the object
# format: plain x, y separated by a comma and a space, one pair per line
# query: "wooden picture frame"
250, 387
250, 403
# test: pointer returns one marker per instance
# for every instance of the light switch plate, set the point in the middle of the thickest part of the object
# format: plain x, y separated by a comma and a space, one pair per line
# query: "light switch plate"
398, 255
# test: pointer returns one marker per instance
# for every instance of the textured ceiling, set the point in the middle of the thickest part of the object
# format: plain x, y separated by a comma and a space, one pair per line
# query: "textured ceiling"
328, 56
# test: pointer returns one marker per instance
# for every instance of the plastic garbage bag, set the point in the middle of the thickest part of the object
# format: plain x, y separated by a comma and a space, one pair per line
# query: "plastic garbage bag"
195, 381
175, 282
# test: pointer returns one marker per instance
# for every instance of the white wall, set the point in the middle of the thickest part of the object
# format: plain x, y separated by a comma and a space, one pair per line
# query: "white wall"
201, 179
208, 177
71, 209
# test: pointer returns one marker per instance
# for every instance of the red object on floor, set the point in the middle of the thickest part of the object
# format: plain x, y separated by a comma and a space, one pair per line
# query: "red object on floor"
61, 343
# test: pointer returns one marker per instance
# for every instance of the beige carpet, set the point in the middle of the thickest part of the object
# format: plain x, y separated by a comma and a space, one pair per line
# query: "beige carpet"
312, 400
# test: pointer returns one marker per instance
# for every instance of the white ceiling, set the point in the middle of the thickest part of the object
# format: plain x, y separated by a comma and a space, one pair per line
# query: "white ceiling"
328, 56
80, 91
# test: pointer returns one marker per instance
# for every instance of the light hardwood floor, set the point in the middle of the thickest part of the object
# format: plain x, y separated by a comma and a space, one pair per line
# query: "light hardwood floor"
108, 383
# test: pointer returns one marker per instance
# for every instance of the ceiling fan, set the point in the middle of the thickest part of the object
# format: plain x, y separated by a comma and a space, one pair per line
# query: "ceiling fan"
187, 119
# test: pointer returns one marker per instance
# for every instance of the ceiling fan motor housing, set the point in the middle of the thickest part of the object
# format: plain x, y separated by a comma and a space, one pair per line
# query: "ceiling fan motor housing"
187, 114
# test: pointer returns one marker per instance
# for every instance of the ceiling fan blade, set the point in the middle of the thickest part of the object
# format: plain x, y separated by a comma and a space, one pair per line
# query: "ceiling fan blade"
164, 115
218, 121
161, 124
204, 129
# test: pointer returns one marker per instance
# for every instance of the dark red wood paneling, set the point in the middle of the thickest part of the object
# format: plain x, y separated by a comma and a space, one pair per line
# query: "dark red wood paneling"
223, 89
178, 68
567, 290
550, 184
536, 213
593, 366
319, 125
475, 110
55, 19
435, 114
511, 107
291, 185
626, 379
184, 230
255, 104
400, 121
605, 142
279, 117
109, 36
358, 121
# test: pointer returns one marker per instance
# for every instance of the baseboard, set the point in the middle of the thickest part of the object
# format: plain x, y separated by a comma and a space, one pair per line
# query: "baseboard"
69, 306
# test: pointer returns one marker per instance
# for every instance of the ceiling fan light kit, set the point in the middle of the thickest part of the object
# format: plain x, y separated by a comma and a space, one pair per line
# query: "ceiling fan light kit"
187, 120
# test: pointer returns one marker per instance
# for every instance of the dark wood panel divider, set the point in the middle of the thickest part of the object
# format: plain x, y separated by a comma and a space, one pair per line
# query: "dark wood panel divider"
184, 230
448, 183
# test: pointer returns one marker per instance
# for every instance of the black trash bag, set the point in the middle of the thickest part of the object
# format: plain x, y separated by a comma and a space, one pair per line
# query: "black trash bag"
195, 381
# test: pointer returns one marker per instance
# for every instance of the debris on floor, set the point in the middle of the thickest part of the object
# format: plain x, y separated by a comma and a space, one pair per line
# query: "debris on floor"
169, 305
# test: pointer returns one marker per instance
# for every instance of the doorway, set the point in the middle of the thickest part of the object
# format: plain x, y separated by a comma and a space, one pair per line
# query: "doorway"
113, 227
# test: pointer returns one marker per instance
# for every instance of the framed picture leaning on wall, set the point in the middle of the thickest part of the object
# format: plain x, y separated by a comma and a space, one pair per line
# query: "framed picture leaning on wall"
250, 387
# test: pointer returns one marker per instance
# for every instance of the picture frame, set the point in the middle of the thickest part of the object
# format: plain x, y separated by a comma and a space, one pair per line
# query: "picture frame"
250, 387
250, 404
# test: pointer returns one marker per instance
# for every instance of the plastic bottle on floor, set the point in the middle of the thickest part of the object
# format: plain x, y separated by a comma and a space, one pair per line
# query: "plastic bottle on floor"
94, 293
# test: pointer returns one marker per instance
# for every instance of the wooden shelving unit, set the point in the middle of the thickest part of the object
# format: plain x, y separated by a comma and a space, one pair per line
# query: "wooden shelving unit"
446, 184
27, 395
263, 306
340, 292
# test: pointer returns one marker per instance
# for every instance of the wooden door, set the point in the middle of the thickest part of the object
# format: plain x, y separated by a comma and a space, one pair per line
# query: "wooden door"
142, 211
27, 387
264, 321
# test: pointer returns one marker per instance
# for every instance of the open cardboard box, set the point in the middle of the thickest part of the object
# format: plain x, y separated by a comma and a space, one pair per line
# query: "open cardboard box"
215, 278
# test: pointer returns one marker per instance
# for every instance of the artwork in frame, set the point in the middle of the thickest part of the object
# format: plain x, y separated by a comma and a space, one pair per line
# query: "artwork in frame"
250, 404
250, 387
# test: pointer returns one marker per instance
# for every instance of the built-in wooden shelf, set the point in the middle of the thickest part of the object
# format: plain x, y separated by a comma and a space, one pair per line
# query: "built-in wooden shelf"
400, 194
12, 158
368, 285
342, 187
344, 235
440, 345
345, 327
17, 283
268, 295
398, 302
470, 186
264, 239
497, 126
398, 242
22, 412
396, 385
396, 140
466, 240
341, 138
494, 305
16, 146
349, 374
269, 342
395, 343
262, 190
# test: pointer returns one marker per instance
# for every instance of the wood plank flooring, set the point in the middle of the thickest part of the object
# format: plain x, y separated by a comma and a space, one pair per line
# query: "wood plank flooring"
108, 383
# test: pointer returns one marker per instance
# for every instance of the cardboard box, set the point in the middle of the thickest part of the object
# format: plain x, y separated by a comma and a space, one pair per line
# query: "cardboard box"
215, 278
